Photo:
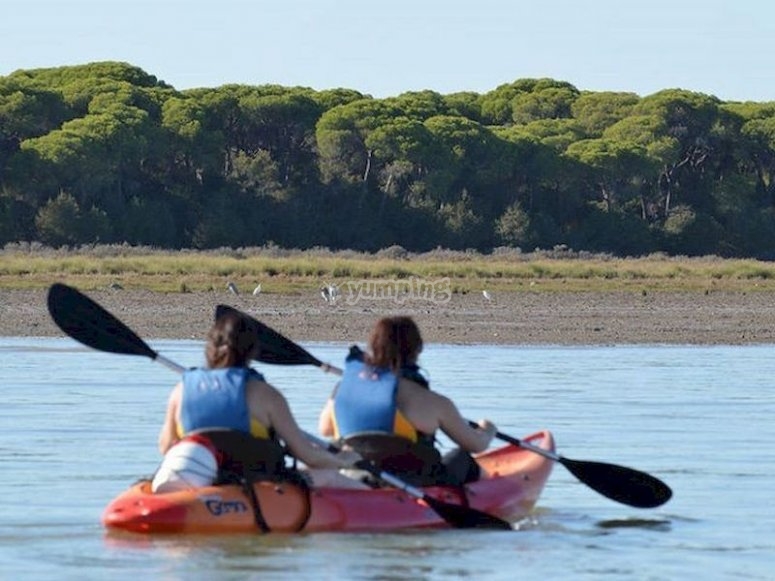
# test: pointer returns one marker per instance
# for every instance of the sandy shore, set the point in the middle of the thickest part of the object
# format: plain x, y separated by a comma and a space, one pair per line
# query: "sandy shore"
519, 318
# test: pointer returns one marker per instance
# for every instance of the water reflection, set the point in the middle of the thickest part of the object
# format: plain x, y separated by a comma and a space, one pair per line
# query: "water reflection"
407, 555
661, 525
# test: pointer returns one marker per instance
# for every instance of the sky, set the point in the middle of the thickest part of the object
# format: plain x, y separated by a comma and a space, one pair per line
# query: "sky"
384, 48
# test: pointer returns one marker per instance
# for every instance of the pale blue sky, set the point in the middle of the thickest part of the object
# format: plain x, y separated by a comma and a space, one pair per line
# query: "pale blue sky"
719, 47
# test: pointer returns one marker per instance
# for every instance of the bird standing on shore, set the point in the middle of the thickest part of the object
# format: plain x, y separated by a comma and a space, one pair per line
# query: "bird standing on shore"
257, 290
329, 292
486, 295
232, 288
333, 292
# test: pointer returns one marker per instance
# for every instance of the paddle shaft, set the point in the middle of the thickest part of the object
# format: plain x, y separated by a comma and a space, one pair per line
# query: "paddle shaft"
373, 469
169, 364
522, 444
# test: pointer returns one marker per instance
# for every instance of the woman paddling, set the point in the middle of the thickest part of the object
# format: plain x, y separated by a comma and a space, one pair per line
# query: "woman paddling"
383, 409
225, 422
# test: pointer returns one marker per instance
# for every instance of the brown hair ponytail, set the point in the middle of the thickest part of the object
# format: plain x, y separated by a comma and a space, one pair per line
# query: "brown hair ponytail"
231, 342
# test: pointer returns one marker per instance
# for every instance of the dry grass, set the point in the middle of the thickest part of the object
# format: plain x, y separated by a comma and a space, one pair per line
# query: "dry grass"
288, 271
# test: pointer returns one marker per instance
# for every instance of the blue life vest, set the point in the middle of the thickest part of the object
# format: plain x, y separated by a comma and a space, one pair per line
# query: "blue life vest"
214, 399
365, 400
410, 371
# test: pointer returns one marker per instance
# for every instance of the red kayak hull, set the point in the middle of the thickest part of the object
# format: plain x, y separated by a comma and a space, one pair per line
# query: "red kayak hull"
512, 481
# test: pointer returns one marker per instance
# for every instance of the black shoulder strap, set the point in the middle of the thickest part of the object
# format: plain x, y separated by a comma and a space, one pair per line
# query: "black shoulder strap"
355, 353
413, 373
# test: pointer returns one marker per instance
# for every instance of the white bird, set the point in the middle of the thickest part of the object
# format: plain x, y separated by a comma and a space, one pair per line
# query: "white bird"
486, 295
333, 292
232, 288
325, 293
257, 290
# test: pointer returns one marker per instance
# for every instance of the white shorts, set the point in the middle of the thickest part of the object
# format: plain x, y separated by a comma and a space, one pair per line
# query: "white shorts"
186, 465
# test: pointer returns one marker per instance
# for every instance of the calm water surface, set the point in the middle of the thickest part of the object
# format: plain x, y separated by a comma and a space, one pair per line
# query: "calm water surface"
78, 426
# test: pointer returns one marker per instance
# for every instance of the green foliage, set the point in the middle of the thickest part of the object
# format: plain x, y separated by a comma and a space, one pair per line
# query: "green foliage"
16, 219
420, 105
550, 103
257, 174
61, 222
532, 163
690, 233
465, 104
330, 98
462, 223
558, 134
533, 98
595, 112
27, 111
513, 227
150, 222
616, 232
55, 221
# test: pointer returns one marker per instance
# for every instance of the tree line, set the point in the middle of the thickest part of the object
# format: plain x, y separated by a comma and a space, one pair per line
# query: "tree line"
105, 152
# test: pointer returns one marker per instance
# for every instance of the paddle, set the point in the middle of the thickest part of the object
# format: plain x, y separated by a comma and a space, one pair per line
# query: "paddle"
87, 322
275, 348
457, 515
619, 483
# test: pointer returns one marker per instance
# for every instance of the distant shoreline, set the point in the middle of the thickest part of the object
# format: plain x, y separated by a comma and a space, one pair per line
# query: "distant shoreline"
510, 318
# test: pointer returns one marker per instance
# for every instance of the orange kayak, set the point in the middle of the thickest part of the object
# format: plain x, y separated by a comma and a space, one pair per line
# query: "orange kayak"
512, 480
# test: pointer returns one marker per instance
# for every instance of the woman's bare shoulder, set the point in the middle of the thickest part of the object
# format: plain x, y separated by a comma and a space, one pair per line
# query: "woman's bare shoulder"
264, 390
411, 389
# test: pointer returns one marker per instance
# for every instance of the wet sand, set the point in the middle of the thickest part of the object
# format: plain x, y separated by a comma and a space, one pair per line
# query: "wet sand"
515, 318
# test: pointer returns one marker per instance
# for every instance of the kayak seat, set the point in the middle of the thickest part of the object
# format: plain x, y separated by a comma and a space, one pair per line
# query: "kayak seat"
416, 464
241, 456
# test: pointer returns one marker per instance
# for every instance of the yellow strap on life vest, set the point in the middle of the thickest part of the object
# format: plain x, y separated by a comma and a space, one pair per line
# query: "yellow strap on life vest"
257, 430
402, 427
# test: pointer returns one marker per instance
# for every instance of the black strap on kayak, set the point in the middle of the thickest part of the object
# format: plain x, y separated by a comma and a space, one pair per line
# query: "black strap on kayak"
258, 516
296, 478
290, 477
463, 492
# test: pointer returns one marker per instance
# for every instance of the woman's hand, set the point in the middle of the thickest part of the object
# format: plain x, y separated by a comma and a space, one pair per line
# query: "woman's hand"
488, 427
348, 458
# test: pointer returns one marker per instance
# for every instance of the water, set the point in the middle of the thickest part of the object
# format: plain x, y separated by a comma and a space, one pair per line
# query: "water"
78, 426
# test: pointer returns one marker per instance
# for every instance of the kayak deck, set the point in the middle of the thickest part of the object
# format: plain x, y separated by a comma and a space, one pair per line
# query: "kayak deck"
512, 481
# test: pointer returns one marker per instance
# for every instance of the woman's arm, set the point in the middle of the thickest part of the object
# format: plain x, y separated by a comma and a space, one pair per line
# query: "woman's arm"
168, 435
326, 421
457, 428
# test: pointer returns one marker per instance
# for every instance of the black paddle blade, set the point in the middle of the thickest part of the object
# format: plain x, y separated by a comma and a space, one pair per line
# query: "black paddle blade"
274, 348
463, 517
87, 322
620, 483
